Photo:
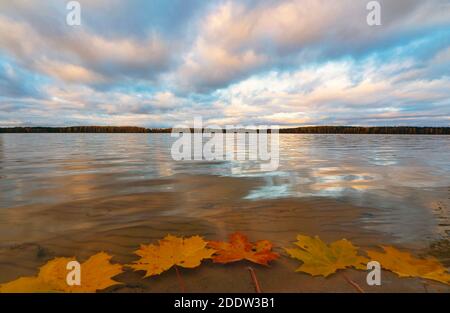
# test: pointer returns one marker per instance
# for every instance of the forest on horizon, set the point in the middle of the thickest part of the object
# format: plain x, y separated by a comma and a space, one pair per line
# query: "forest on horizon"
413, 130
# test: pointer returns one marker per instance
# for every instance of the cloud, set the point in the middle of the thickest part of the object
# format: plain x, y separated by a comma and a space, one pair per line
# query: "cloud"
16, 82
81, 56
70, 72
291, 62
284, 33
313, 95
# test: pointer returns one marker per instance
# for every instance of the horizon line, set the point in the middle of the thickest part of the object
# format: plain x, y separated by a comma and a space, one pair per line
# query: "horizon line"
413, 130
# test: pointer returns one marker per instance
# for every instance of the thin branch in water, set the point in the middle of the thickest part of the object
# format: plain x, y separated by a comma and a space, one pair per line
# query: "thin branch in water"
254, 279
425, 286
351, 282
180, 280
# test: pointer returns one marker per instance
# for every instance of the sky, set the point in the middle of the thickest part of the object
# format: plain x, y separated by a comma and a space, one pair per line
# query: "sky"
257, 62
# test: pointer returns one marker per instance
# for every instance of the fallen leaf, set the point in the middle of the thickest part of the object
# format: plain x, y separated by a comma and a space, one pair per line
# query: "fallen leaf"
96, 274
320, 259
184, 252
406, 265
239, 248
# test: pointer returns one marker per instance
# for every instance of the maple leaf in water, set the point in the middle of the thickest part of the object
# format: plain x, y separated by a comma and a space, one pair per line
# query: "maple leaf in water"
171, 251
239, 248
96, 274
320, 259
406, 265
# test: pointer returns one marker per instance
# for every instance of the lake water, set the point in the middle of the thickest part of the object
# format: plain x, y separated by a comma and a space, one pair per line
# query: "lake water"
394, 188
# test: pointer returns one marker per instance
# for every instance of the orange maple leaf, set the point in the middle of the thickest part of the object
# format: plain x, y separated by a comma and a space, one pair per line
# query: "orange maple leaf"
239, 248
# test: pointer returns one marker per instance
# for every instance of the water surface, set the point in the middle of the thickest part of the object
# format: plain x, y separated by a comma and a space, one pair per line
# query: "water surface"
75, 194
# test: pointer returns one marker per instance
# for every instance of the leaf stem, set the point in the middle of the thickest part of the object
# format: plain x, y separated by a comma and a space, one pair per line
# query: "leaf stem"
351, 282
254, 279
180, 279
425, 286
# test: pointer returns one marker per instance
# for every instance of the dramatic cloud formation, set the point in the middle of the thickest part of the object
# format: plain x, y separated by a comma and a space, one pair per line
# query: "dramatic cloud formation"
157, 63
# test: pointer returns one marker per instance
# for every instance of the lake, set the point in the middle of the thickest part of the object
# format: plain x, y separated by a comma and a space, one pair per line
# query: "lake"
76, 194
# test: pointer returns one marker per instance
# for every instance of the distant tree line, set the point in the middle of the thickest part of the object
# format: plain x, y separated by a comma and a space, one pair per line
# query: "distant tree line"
75, 129
298, 130
407, 130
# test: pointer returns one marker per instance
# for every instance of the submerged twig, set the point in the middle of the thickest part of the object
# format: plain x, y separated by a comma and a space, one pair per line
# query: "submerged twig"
254, 279
180, 279
351, 282
425, 286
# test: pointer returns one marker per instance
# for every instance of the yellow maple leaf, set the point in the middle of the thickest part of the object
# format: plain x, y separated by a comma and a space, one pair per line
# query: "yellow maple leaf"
406, 265
321, 259
171, 251
96, 274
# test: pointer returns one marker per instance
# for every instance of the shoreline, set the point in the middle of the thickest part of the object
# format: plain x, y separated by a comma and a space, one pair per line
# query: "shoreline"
374, 130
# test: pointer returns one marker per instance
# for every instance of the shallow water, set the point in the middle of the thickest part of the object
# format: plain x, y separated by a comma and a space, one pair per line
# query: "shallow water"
74, 194
406, 177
